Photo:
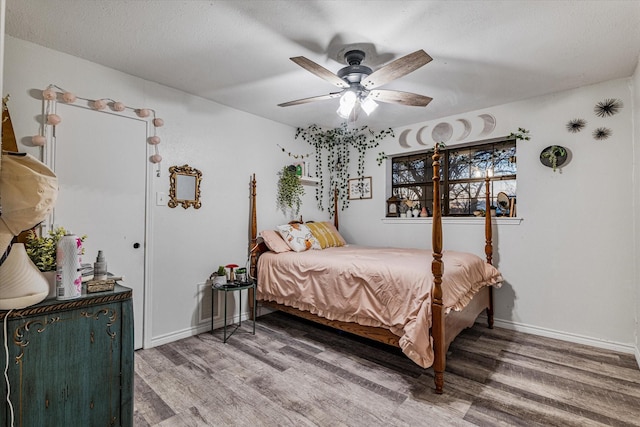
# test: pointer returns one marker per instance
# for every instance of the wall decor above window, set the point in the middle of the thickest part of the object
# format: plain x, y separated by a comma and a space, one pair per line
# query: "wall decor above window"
608, 107
602, 133
576, 125
460, 129
442, 132
489, 124
467, 129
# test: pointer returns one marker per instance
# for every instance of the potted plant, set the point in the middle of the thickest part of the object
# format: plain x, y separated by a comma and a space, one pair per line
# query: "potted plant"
219, 278
290, 191
241, 275
553, 156
42, 251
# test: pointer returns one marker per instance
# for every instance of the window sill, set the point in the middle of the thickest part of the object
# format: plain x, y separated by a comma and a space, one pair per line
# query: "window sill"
500, 220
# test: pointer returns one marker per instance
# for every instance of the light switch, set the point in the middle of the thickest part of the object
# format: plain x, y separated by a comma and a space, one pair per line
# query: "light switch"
161, 198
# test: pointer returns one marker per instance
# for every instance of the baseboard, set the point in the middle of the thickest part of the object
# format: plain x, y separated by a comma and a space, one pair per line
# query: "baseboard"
195, 330
515, 326
564, 336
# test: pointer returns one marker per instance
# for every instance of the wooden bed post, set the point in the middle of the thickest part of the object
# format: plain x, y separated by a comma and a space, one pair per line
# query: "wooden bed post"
437, 269
253, 242
488, 246
253, 227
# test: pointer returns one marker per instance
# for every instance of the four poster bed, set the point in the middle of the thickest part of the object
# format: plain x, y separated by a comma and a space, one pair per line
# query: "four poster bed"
384, 294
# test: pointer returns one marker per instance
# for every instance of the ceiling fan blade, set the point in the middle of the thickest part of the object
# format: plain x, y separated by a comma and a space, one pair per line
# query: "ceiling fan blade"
395, 69
397, 97
320, 71
311, 99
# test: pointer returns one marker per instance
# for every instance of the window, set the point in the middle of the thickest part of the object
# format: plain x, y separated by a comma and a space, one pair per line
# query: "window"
462, 175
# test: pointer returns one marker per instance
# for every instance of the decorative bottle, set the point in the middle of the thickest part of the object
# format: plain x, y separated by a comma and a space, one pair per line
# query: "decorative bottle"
100, 267
68, 274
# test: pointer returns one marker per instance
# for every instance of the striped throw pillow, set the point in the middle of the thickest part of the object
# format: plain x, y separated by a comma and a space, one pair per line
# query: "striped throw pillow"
326, 234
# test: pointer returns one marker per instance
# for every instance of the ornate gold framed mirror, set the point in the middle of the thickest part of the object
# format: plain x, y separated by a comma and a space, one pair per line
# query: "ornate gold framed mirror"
184, 186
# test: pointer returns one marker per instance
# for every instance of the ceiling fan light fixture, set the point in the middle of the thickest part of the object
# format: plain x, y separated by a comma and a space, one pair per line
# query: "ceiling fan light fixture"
349, 99
359, 83
344, 112
347, 103
369, 105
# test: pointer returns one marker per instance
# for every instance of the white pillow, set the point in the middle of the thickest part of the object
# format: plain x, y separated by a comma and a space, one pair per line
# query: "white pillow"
298, 237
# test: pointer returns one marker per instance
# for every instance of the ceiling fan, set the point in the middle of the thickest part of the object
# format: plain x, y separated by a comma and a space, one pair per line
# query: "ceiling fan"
359, 83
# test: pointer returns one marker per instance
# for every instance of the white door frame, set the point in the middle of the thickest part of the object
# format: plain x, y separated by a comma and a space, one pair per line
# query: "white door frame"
151, 171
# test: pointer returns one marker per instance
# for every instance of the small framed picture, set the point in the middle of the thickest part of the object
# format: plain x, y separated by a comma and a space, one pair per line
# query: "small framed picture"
360, 188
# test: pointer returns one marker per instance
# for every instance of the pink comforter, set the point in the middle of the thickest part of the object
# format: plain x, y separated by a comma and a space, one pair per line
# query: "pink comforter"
374, 286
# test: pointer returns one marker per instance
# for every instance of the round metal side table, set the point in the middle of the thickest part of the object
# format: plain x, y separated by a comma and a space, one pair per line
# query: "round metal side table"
231, 287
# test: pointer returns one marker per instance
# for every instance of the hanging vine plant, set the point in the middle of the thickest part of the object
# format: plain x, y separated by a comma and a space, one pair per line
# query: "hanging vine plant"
290, 191
334, 149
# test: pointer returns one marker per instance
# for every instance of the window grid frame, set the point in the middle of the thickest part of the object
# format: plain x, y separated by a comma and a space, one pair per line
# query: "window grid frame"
445, 181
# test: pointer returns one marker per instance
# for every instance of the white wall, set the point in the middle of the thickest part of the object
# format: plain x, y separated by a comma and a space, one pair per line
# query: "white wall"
225, 144
569, 265
636, 197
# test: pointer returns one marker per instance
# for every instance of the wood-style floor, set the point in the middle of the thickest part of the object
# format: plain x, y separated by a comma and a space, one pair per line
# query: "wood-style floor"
293, 373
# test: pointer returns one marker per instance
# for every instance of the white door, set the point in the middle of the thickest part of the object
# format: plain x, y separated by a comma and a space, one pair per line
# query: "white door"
101, 163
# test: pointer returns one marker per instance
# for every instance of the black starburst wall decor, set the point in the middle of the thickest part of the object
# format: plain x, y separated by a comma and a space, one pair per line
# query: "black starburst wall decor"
602, 133
576, 125
608, 107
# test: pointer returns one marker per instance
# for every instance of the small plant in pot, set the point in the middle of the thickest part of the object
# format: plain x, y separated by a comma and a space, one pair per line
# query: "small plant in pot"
553, 156
290, 191
219, 277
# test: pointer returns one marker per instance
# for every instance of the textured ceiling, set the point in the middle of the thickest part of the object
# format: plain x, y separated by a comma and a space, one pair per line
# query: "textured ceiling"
237, 53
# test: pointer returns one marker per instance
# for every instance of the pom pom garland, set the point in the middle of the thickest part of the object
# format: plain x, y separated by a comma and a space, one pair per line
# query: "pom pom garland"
38, 140
53, 119
99, 104
118, 106
49, 94
68, 97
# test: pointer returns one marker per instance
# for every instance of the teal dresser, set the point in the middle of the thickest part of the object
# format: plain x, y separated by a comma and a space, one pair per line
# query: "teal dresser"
70, 362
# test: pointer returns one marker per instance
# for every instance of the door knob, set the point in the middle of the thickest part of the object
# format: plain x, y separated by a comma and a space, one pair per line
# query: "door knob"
136, 245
